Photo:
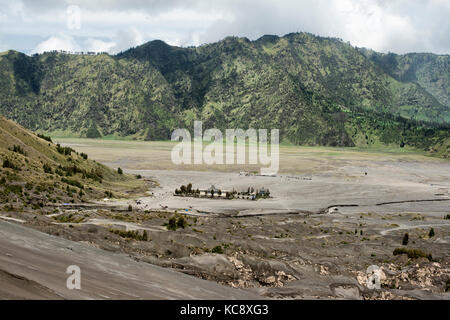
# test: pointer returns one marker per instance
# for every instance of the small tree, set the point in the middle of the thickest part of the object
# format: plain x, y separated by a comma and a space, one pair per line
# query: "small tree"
145, 236
130, 208
431, 233
181, 223
405, 239
119, 171
189, 188
172, 225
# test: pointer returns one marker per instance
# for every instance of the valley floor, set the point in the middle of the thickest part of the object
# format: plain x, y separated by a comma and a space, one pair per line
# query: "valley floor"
331, 215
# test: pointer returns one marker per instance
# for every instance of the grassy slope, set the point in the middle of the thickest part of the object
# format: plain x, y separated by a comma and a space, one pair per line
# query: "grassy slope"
36, 187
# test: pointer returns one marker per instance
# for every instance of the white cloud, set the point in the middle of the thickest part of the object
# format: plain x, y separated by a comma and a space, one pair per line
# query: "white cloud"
125, 39
96, 45
60, 42
384, 25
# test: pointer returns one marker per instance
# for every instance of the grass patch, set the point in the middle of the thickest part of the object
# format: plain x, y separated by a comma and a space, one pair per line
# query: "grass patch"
131, 234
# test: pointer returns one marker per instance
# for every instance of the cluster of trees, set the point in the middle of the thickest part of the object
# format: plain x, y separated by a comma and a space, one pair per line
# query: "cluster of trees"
187, 190
64, 150
175, 223
18, 149
42, 136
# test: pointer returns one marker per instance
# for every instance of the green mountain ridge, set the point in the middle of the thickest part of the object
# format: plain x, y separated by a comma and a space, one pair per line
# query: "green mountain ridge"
318, 91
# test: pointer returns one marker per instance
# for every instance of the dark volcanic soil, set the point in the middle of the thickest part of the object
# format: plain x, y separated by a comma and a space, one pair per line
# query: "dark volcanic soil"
279, 256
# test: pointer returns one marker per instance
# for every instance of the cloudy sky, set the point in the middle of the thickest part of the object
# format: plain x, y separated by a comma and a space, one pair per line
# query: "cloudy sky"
111, 25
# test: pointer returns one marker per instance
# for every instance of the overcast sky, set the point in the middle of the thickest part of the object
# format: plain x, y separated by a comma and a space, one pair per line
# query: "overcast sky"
111, 25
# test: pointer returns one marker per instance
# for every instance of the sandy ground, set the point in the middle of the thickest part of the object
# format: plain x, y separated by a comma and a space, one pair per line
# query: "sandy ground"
33, 265
309, 179
387, 188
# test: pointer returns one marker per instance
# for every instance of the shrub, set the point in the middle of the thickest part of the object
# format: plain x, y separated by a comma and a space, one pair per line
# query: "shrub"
93, 133
47, 168
412, 253
132, 234
74, 183
84, 155
9, 164
138, 176
119, 171
13, 188
130, 208
405, 239
172, 225
217, 249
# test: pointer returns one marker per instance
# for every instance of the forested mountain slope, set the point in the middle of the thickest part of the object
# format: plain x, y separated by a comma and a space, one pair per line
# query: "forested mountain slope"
317, 91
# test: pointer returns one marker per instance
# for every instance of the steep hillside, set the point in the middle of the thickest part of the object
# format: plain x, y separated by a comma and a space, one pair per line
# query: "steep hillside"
318, 91
88, 95
430, 71
35, 172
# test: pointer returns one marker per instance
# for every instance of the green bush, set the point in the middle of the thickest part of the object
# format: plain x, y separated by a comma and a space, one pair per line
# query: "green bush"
93, 133
431, 233
172, 224
217, 249
74, 183
13, 188
9, 164
47, 168
119, 171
